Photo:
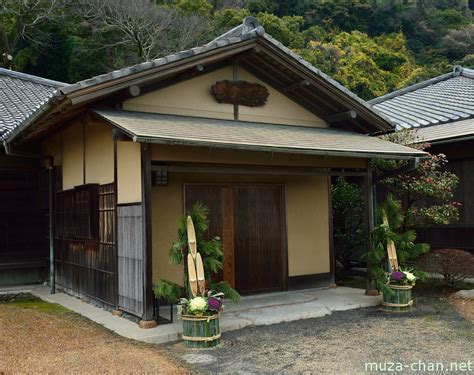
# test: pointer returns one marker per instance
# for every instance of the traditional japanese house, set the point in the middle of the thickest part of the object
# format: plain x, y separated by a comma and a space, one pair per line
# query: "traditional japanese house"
242, 124
441, 111
23, 184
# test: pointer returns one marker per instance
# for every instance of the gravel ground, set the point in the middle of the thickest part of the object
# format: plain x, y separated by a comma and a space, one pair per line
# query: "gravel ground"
38, 337
343, 342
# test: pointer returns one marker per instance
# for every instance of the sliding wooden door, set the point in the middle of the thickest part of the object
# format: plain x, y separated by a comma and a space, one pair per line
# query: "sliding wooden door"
250, 220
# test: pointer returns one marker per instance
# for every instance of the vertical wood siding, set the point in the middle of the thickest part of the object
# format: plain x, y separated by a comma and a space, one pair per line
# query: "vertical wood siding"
85, 242
130, 258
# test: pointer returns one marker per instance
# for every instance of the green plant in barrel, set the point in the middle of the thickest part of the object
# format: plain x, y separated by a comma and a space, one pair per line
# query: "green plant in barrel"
392, 249
211, 254
200, 314
200, 259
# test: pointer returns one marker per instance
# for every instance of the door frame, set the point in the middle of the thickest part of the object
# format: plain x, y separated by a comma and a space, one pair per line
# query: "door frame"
284, 275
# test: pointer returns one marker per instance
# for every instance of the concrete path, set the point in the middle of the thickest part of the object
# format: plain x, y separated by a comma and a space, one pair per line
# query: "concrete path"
253, 310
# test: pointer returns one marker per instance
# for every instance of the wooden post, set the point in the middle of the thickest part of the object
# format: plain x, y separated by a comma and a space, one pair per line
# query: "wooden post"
147, 318
370, 220
116, 281
332, 257
235, 77
52, 252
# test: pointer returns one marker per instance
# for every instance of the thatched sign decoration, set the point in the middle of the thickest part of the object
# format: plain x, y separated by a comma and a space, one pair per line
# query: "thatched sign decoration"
240, 92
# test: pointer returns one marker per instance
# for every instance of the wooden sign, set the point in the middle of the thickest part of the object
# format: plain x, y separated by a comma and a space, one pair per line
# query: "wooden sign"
240, 92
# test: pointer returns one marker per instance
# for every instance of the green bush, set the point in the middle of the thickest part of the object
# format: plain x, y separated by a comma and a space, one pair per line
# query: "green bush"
350, 233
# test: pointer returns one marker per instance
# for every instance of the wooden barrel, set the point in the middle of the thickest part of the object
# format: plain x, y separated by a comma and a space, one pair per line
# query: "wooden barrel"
201, 331
399, 300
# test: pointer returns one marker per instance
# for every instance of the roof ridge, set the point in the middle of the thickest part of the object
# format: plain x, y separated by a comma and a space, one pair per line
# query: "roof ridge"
466, 72
249, 24
31, 78
249, 28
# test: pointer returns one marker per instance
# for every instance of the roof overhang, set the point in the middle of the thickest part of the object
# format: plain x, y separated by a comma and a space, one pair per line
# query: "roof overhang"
254, 50
457, 131
252, 136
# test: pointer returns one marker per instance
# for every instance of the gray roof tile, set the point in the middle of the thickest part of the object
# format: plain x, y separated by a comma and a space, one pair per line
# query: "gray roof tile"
442, 99
20, 96
446, 132
172, 129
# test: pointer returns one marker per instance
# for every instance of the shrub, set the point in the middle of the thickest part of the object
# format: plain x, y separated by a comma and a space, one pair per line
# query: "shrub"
350, 233
454, 265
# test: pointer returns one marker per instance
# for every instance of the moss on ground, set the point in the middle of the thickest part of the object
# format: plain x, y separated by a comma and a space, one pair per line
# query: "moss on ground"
29, 301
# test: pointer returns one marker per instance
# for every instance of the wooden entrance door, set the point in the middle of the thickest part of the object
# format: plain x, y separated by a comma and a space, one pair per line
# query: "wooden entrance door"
250, 220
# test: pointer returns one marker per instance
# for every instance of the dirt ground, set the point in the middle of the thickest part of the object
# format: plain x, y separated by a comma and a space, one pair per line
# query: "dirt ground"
465, 307
39, 337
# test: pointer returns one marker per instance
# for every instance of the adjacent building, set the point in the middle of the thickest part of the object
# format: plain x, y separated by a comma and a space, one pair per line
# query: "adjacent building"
441, 111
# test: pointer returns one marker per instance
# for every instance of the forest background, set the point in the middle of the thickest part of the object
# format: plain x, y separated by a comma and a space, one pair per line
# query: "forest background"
372, 47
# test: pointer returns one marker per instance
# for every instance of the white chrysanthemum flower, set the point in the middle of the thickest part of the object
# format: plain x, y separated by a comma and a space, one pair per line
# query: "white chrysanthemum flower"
409, 276
198, 304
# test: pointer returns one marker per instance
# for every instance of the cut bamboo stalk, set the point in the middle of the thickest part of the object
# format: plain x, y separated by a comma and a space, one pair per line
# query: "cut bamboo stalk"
391, 250
191, 237
200, 275
193, 283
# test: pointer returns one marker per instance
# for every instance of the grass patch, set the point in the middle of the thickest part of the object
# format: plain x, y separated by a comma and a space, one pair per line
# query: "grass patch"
28, 301
42, 306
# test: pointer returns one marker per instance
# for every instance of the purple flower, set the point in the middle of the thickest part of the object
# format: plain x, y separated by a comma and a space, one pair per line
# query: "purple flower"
214, 303
397, 276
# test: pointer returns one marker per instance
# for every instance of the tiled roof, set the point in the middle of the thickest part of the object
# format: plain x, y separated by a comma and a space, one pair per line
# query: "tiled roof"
446, 132
248, 30
20, 96
184, 130
443, 99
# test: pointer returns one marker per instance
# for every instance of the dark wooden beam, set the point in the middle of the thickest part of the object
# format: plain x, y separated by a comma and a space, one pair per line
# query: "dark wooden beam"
235, 78
332, 256
285, 78
117, 135
269, 78
254, 169
330, 90
297, 85
348, 115
147, 237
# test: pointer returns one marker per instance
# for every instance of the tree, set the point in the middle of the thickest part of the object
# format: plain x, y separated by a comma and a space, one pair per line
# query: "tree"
426, 193
459, 43
370, 67
21, 21
140, 30
350, 233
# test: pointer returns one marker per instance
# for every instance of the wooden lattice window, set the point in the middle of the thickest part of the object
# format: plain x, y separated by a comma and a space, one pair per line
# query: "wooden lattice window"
77, 213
